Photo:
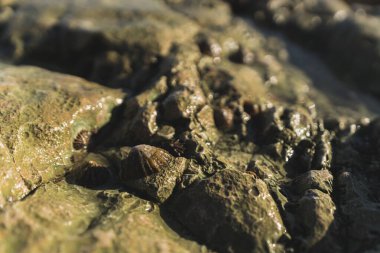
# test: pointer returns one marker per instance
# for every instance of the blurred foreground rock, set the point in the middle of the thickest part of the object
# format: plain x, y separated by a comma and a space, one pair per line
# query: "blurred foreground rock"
42, 115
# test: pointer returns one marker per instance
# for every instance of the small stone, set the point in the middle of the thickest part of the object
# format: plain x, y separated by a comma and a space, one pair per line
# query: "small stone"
182, 104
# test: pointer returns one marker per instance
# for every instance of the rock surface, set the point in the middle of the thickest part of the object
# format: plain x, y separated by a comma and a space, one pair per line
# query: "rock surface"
92, 221
42, 114
266, 125
232, 212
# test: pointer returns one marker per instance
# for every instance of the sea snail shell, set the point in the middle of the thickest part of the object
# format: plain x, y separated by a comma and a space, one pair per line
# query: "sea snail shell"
145, 160
82, 140
93, 171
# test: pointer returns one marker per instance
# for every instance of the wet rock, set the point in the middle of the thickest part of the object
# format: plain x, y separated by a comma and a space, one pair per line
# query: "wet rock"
314, 179
264, 168
152, 171
69, 218
326, 22
206, 12
55, 207
357, 185
143, 126
141, 231
269, 125
302, 158
224, 118
311, 154
194, 68
138, 122
206, 125
182, 104
323, 151
362, 212
109, 42
231, 212
299, 122
42, 114
314, 214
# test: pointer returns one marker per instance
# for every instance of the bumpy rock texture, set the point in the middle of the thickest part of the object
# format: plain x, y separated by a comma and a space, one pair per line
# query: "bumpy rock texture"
216, 126
42, 114
234, 212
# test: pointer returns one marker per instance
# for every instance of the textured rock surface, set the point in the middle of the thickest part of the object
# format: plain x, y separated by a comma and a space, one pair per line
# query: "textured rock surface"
268, 133
91, 221
42, 114
232, 212
120, 42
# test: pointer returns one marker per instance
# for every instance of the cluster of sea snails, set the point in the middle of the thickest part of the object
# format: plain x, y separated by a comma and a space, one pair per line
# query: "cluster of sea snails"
149, 171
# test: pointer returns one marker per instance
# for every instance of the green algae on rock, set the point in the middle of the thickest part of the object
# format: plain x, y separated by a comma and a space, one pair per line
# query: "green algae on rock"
64, 218
41, 115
